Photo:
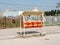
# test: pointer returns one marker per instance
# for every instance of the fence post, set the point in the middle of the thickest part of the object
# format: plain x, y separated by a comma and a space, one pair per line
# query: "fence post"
5, 22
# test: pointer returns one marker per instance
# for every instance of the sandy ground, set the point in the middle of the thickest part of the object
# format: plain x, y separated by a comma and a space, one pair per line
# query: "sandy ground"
52, 37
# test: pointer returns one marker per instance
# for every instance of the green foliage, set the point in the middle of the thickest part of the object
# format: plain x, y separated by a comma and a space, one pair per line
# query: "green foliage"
52, 13
58, 5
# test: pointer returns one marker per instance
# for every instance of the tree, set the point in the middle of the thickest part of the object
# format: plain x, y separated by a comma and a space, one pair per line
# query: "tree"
50, 13
58, 5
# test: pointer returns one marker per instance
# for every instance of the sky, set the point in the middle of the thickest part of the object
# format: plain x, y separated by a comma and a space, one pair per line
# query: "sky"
43, 5
28, 4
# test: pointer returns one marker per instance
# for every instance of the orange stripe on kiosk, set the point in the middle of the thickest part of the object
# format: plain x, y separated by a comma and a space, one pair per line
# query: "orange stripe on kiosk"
32, 24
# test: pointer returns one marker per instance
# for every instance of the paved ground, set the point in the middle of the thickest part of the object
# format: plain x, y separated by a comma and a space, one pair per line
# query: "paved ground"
52, 37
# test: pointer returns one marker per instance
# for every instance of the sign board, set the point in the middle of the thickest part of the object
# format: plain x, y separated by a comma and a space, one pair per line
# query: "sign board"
32, 21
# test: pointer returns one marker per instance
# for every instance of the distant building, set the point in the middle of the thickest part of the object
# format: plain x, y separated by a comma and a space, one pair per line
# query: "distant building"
12, 13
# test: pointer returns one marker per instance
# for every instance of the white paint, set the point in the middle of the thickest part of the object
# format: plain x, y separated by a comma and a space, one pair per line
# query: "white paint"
20, 12
35, 9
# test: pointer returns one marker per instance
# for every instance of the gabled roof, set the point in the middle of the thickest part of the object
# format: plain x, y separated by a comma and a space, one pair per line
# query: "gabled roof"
34, 11
31, 13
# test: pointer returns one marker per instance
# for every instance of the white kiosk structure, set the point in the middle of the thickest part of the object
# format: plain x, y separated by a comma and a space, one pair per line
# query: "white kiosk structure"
32, 19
